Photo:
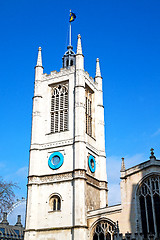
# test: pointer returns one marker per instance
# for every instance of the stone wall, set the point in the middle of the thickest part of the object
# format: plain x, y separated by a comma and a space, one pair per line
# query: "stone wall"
92, 197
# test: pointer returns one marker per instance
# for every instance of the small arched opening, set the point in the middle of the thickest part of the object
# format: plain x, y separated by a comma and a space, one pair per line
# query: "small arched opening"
55, 202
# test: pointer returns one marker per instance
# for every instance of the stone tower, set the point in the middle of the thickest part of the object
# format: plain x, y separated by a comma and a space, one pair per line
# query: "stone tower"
67, 169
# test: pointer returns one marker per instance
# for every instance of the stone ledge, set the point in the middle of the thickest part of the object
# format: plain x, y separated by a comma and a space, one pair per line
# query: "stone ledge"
61, 177
96, 183
51, 145
106, 210
56, 228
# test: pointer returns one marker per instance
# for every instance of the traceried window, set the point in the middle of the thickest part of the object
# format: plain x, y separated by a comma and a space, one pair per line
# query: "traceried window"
55, 203
149, 201
89, 95
59, 109
103, 231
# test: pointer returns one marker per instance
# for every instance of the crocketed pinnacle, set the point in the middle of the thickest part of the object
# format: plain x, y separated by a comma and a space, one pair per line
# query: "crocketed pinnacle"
123, 168
39, 59
79, 45
98, 71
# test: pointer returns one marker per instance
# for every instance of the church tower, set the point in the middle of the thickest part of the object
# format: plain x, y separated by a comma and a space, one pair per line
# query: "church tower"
67, 168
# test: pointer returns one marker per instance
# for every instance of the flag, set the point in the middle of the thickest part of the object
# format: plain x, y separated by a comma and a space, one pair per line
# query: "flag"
72, 17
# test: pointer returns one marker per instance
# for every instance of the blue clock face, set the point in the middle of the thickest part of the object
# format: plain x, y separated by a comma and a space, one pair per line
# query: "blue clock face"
92, 163
55, 160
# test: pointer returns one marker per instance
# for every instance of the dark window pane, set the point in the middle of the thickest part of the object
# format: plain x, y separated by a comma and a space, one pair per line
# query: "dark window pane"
59, 204
143, 216
95, 237
157, 211
108, 236
101, 236
54, 204
67, 63
150, 214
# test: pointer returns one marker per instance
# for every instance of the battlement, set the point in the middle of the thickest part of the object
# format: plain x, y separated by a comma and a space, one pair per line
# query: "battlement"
55, 74
136, 236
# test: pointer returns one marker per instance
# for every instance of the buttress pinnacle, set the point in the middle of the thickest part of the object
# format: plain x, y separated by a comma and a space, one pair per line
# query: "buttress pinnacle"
98, 71
39, 59
123, 165
79, 45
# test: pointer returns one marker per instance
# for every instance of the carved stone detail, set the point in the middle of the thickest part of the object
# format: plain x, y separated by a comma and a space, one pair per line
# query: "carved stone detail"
54, 144
50, 178
79, 174
60, 143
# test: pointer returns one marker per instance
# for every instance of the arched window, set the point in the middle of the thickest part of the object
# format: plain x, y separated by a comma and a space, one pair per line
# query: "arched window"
149, 203
55, 203
59, 109
88, 111
104, 230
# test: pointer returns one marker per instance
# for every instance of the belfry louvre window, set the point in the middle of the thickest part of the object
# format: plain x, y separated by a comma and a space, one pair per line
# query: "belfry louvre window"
88, 112
149, 202
59, 109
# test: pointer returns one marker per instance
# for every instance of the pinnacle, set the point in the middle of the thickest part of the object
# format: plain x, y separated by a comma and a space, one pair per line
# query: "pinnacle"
39, 59
79, 45
123, 165
98, 71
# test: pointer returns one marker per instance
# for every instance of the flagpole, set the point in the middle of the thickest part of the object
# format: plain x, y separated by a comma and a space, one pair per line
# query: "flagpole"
70, 34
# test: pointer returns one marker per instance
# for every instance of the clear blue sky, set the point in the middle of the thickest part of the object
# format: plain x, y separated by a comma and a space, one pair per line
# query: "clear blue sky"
124, 34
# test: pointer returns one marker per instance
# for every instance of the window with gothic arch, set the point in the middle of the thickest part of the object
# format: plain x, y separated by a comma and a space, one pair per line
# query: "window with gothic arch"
104, 230
149, 205
55, 203
89, 111
59, 108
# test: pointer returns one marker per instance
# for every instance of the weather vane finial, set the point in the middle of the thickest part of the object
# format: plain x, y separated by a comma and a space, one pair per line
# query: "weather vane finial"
152, 151
152, 154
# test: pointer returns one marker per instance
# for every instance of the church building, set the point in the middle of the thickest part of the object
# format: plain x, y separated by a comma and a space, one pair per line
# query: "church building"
67, 181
